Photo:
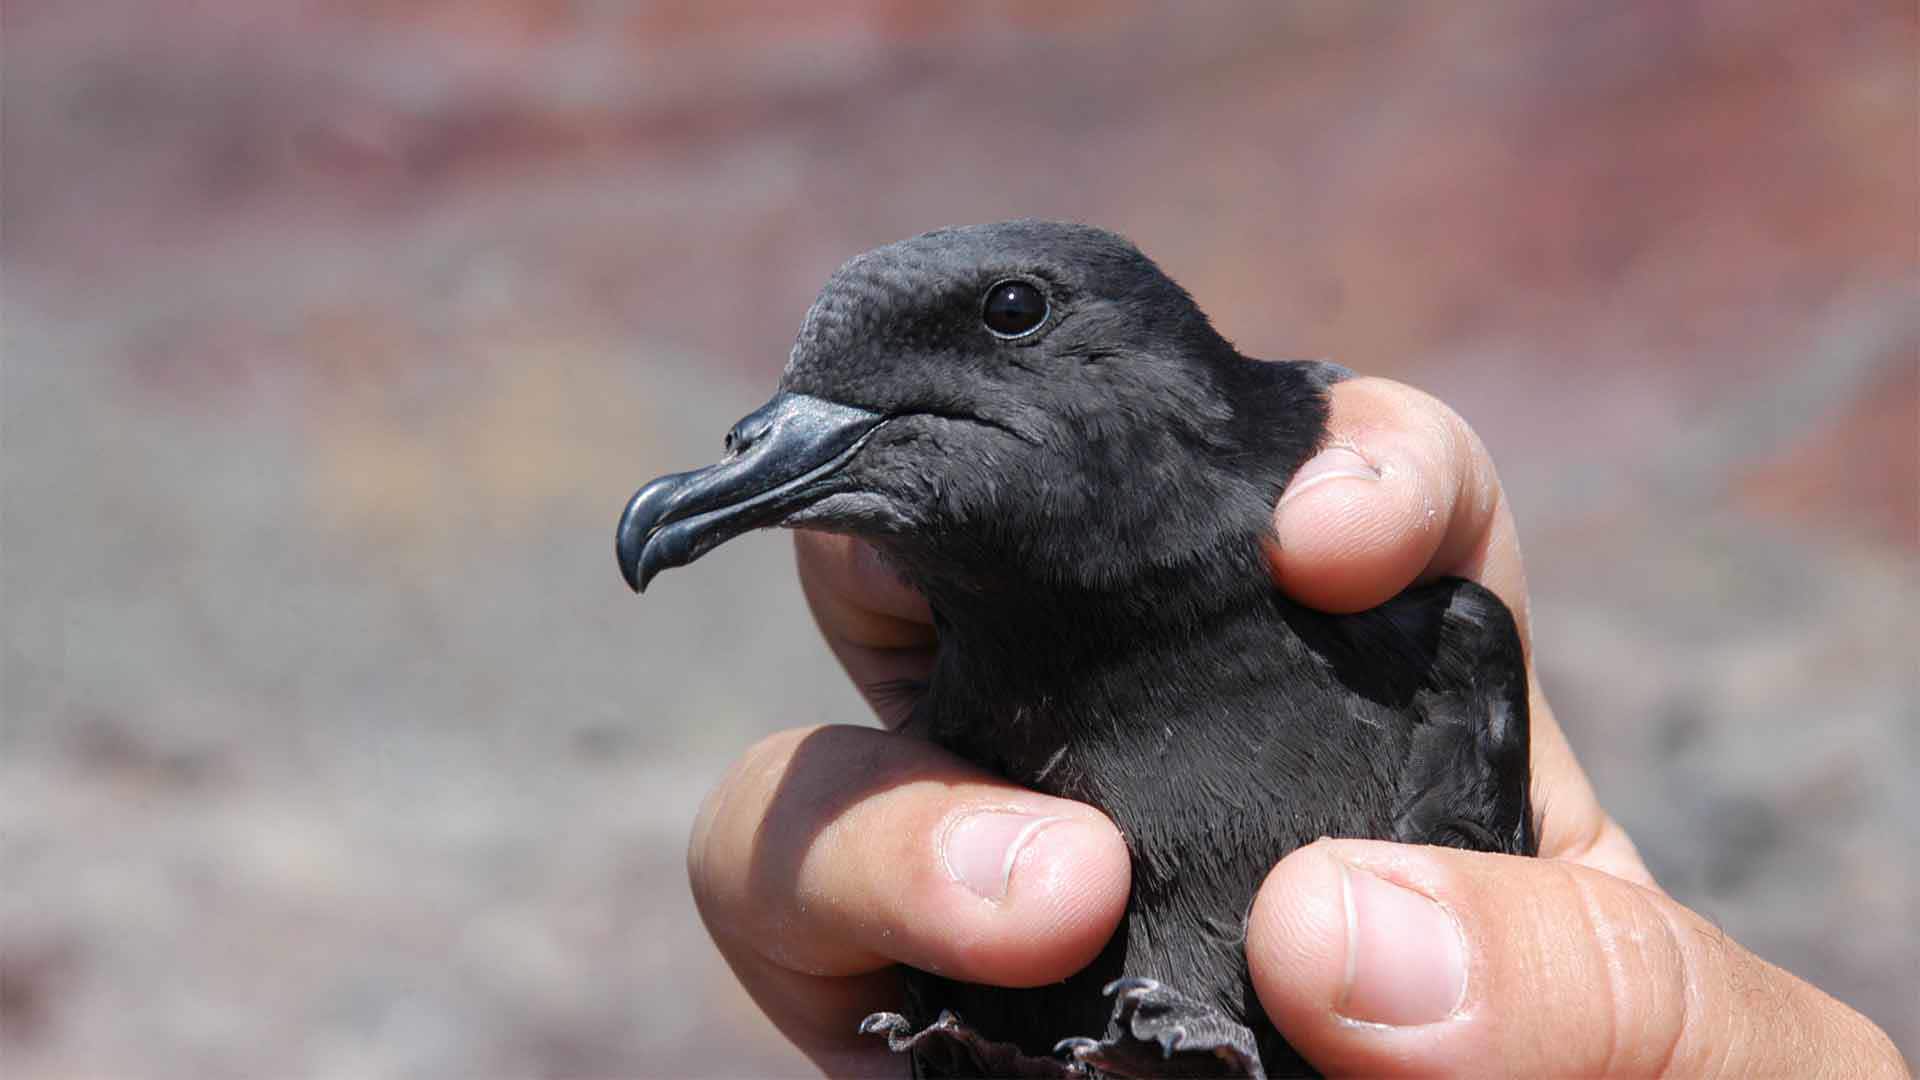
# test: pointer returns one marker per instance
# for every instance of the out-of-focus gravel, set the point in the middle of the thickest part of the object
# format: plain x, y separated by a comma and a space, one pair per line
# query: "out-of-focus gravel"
336, 338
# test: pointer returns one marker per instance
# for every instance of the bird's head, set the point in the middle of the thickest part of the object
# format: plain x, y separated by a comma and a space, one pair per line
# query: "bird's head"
1028, 401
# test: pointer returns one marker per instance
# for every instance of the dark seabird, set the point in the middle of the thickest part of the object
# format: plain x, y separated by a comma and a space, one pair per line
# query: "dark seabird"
1044, 435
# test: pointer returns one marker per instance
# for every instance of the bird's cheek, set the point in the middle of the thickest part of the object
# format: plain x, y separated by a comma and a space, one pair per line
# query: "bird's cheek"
857, 513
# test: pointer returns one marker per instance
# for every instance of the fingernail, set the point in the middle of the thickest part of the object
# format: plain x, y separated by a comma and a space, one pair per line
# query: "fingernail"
1333, 463
981, 848
1406, 958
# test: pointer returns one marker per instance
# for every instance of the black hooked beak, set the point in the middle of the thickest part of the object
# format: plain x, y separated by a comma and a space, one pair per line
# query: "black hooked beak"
779, 459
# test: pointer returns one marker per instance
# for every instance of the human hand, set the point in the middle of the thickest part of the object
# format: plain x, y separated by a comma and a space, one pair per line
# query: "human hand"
830, 855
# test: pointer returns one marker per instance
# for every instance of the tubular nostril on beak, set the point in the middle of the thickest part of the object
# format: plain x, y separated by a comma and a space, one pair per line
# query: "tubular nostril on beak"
746, 433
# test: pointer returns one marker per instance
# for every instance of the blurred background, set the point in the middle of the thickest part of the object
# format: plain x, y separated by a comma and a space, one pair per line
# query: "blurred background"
336, 336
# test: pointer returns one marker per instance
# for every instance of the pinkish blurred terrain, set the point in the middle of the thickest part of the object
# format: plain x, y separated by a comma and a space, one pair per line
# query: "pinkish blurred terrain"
337, 334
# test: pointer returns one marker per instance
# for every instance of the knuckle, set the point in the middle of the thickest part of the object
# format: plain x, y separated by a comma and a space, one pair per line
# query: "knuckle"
1683, 999
768, 756
716, 857
1650, 976
1878, 1056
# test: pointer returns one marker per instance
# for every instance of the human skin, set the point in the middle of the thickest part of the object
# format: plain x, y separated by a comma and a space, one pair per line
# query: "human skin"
828, 856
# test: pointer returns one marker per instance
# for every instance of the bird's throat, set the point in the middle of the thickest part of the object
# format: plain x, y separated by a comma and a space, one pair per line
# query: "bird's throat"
1027, 677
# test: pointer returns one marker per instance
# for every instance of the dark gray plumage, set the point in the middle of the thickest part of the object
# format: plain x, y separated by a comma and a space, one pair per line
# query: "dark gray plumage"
1083, 501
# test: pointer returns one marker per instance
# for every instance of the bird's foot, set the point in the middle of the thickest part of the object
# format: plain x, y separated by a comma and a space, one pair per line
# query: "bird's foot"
1163, 1032
948, 1047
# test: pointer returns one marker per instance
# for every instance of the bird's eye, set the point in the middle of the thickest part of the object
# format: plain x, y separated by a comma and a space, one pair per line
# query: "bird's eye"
1013, 309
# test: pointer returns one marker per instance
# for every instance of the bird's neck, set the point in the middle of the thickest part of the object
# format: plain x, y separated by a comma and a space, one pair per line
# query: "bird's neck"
1026, 666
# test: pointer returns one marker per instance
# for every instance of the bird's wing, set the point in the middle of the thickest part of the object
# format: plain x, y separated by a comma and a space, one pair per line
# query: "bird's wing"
1465, 775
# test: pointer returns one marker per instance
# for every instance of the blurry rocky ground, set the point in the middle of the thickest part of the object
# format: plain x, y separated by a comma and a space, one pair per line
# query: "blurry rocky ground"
337, 334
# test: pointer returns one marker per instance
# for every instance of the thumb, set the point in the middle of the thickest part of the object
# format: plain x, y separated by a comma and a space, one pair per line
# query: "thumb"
1382, 958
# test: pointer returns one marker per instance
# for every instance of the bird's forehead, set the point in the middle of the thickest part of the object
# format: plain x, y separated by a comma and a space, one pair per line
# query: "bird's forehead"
866, 292
867, 295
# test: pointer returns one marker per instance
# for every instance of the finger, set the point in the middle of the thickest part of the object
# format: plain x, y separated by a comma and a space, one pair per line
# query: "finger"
871, 605
839, 851
1404, 492
1381, 959
878, 627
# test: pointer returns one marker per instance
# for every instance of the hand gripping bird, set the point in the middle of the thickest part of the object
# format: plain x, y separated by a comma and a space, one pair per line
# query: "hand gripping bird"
1044, 435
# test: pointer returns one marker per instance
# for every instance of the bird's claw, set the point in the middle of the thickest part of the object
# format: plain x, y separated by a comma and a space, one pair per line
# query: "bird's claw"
885, 1023
1075, 1047
1130, 987
948, 1047
1162, 1032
